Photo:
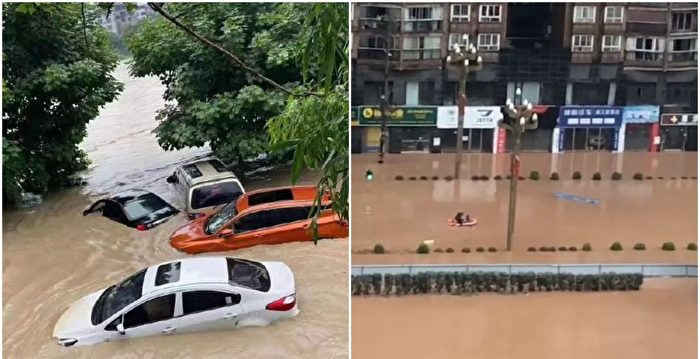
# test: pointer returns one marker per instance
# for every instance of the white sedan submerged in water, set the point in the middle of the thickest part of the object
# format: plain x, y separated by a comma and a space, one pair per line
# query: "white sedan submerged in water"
187, 295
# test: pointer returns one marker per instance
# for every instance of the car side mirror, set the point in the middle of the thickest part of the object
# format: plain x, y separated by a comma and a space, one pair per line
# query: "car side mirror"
120, 328
171, 179
225, 232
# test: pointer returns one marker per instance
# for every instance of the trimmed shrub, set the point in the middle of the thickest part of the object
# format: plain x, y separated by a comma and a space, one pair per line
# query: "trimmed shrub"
616, 247
577, 175
492, 249
399, 178
460, 283
649, 177
534, 175
423, 178
509, 177
412, 178
684, 177
597, 176
552, 249
673, 178
562, 249
480, 249
616, 176
438, 250
668, 246
449, 250
694, 177
466, 250
521, 178
660, 177
378, 249
640, 247
573, 249
448, 178
692, 247
484, 177
554, 176
532, 249
435, 178
638, 176
586, 247
544, 249
423, 249
497, 177
475, 178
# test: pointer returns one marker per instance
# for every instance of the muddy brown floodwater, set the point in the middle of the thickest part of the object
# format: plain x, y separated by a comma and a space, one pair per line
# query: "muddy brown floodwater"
402, 214
52, 255
659, 321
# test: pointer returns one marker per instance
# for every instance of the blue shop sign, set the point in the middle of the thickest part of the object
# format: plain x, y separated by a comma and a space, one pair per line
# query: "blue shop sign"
640, 114
590, 116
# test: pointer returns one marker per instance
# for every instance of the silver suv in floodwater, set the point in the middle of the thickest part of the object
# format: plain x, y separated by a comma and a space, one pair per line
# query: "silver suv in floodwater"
205, 185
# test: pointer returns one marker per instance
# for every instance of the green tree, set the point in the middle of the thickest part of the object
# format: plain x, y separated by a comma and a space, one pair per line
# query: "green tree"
56, 77
210, 99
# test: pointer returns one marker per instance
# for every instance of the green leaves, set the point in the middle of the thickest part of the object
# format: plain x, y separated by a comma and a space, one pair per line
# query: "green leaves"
52, 87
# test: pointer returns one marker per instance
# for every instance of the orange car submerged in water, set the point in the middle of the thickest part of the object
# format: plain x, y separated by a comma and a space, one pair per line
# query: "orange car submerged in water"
270, 216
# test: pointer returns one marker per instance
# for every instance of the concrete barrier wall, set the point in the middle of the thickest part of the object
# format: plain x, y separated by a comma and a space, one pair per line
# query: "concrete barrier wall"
649, 270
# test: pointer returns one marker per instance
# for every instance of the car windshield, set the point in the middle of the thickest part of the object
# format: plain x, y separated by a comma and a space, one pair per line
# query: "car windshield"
220, 218
215, 194
121, 295
248, 274
143, 206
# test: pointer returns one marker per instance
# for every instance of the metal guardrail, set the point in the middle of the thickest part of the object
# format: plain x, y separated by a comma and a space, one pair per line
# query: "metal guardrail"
648, 270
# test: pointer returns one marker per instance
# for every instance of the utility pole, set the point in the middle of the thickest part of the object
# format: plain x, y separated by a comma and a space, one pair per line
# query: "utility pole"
465, 61
521, 118
385, 96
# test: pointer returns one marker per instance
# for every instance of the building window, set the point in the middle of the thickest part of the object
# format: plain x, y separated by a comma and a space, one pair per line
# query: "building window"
460, 12
421, 47
459, 39
490, 13
683, 50
423, 19
682, 21
612, 43
582, 43
644, 49
489, 42
613, 14
584, 14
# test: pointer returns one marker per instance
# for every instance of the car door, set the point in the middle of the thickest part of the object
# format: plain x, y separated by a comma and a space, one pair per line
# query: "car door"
204, 310
153, 317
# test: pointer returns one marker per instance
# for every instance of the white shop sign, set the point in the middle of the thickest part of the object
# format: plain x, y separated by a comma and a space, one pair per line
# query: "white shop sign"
476, 117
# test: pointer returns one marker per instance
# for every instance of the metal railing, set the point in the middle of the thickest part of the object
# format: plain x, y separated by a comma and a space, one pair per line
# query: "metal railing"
648, 270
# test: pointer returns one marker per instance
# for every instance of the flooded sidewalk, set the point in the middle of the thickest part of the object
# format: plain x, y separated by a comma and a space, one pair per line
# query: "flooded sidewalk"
401, 214
659, 321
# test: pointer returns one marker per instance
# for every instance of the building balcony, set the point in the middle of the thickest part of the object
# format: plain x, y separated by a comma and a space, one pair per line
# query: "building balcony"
647, 29
413, 55
422, 25
491, 27
613, 29
582, 57
376, 54
644, 59
683, 57
377, 25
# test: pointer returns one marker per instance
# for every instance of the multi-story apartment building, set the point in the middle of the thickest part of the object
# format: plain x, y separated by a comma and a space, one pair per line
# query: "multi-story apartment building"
120, 18
612, 54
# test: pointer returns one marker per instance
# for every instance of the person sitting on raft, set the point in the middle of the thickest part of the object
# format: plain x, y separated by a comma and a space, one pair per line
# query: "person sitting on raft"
461, 219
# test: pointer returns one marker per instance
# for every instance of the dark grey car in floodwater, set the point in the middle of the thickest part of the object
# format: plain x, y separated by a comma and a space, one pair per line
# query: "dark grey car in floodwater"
138, 209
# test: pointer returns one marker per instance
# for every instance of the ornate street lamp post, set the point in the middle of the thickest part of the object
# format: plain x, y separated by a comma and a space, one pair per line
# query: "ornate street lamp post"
465, 61
384, 105
521, 117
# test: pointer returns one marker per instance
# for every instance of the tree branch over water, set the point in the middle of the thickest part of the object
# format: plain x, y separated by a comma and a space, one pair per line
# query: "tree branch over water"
236, 61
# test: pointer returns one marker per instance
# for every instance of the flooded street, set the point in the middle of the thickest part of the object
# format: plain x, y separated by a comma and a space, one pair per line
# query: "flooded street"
659, 321
53, 255
402, 214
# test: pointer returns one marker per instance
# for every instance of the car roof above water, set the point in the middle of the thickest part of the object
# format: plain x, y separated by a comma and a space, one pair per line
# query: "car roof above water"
129, 195
192, 271
206, 170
